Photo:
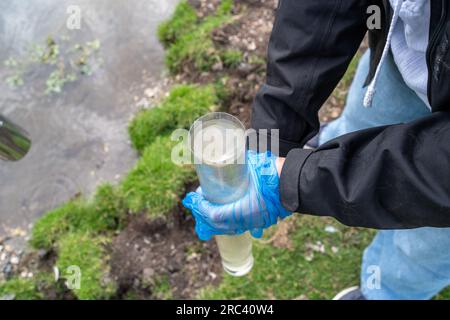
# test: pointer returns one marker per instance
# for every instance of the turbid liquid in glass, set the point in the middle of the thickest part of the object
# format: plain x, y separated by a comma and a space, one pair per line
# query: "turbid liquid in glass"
218, 146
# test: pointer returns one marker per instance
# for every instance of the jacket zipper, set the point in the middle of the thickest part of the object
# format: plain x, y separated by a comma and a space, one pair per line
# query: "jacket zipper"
431, 47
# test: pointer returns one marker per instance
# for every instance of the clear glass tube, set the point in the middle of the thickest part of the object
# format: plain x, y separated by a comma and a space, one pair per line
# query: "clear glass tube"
217, 142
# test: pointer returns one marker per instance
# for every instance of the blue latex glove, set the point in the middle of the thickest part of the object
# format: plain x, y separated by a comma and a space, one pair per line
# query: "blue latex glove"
258, 209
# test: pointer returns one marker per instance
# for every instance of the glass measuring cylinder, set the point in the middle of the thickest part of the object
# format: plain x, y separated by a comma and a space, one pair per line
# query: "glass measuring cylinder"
217, 143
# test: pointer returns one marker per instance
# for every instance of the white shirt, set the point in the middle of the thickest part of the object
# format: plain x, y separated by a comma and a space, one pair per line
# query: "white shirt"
409, 44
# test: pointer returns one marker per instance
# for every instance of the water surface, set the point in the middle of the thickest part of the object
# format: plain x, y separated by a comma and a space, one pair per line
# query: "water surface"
79, 137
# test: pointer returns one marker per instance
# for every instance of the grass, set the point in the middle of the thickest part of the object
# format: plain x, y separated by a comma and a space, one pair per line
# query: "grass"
282, 273
184, 104
78, 231
48, 229
103, 213
232, 58
69, 231
20, 289
443, 295
183, 21
88, 253
156, 183
161, 289
108, 208
188, 40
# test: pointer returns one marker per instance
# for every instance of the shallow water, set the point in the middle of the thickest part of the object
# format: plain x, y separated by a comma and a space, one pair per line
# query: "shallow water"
79, 137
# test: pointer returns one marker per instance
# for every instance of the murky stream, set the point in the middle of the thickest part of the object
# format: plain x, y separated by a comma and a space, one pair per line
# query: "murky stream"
79, 136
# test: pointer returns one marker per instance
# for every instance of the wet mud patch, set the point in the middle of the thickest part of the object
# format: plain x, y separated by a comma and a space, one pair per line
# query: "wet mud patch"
163, 259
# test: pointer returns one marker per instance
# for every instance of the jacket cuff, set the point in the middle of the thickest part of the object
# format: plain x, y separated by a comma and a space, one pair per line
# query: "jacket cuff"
290, 178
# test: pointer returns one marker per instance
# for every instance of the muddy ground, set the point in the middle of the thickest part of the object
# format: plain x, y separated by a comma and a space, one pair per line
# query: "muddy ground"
148, 255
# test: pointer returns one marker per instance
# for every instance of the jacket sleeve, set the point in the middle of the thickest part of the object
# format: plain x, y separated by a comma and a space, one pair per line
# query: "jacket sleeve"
385, 177
311, 46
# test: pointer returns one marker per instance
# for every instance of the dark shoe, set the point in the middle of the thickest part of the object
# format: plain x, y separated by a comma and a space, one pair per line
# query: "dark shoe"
353, 293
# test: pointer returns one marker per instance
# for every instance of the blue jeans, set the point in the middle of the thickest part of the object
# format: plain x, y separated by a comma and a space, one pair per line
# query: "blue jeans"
411, 264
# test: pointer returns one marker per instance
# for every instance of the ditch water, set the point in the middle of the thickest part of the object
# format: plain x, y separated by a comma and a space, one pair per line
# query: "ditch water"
79, 136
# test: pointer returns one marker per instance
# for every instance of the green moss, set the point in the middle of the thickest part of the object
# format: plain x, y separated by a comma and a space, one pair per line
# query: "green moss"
131, 295
46, 283
257, 60
225, 7
21, 289
161, 289
281, 273
223, 92
232, 58
156, 183
443, 295
183, 20
69, 229
108, 209
104, 213
196, 46
184, 104
48, 229
88, 253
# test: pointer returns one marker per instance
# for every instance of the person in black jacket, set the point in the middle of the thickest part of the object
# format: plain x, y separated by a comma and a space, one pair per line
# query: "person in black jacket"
385, 163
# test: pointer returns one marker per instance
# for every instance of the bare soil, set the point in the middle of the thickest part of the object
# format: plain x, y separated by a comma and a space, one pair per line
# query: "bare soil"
165, 250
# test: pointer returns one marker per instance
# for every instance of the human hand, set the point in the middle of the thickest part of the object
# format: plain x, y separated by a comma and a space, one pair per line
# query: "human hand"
279, 163
258, 209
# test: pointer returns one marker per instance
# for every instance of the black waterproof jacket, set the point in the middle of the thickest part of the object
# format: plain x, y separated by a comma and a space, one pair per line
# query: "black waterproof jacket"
386, 177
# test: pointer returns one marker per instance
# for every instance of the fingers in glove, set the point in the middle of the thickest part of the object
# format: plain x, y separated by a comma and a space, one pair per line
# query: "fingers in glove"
256, 233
